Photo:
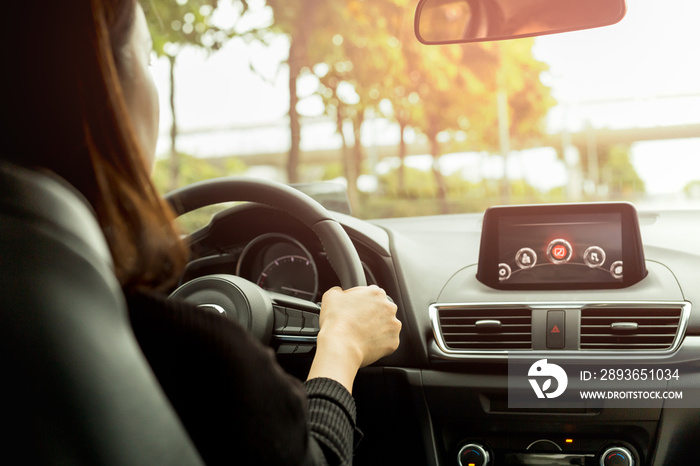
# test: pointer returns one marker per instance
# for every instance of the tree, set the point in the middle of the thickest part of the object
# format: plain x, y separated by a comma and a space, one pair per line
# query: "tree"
619, 174
447, 91
174, 25
354, 76
608, 169
521, 102
298, 21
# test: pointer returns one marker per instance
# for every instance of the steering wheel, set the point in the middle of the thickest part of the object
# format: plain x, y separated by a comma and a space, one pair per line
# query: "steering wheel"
264, 312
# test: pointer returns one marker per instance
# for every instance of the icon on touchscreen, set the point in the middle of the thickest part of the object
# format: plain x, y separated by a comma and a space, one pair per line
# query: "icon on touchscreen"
616, 269
526, 258
503, 272
559, 251
594, 256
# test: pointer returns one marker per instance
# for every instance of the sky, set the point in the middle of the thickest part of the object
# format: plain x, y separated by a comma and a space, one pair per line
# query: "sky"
641, 72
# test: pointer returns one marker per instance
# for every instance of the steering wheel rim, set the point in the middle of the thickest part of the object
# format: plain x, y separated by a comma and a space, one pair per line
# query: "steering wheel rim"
335, 241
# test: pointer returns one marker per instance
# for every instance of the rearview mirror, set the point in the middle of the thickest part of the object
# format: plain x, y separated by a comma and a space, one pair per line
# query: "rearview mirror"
462, 21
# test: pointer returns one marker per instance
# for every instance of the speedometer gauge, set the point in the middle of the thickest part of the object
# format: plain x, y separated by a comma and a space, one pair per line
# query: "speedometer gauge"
292, 275
280, 263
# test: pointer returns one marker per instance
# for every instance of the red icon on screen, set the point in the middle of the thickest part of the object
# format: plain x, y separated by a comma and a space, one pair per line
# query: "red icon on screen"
559, 252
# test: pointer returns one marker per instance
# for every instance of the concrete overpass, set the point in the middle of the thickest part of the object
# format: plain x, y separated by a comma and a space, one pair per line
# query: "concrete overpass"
603, 136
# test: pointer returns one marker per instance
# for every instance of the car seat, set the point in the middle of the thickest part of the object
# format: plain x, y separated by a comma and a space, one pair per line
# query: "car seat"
76, 388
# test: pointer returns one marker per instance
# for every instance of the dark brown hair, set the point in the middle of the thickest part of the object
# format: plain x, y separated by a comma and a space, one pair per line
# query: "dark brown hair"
65, 112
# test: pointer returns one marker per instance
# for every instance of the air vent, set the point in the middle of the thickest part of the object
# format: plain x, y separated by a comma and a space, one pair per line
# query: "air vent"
485, 329
629, 328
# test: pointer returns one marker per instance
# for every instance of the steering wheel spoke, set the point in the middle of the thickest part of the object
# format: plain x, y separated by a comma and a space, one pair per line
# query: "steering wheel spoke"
295, 320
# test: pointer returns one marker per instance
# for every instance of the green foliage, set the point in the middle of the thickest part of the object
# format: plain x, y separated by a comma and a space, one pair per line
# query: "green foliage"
332, 171
195, 169
616, 174
556, 195
174, 23
619, 174
421, 195
692, 189
419, 184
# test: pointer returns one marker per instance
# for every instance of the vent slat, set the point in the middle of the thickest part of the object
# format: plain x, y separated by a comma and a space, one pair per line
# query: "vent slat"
657, 328
513, 328
629, 319
491, 345
466, 333
485, 314
640, 326
615, 311
478, 338
633, 339
459, 330
477, 318
609, 346
641, 330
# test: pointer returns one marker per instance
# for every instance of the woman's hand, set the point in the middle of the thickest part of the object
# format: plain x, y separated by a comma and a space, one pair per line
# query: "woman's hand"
358, 326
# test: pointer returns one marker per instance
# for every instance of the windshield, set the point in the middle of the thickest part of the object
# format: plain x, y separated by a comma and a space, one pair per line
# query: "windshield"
601, 115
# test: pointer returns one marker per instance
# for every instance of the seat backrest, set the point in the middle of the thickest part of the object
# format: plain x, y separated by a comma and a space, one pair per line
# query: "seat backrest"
76, 388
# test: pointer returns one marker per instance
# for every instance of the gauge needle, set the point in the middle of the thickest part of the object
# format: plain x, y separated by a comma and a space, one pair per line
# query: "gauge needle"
294, 290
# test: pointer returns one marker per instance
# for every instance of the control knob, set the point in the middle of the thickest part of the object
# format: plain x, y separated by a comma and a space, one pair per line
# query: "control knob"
617, 456
473, 454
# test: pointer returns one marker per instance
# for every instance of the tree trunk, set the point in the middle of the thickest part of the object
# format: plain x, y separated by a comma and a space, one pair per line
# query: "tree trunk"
348, 166
503, 124
295, 64
304, 20
504, 140
439, 179
345, 157
402, 159
355, 162
174, 155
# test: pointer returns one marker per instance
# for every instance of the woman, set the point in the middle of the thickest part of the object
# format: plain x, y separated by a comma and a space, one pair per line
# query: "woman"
82, 105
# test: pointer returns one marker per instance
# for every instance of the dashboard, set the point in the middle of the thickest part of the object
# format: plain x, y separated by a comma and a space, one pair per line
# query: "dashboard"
266, 247
444, 395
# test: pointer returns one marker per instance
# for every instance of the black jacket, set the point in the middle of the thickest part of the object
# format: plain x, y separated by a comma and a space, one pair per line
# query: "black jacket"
236, 402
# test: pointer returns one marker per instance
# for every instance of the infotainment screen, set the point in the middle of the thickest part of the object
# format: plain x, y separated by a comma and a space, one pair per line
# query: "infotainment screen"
569, 246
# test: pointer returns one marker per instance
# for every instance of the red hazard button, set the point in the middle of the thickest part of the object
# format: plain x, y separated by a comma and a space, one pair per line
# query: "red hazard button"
556, 321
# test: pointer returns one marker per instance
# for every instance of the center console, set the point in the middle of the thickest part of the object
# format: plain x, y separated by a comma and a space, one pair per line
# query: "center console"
564, 282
